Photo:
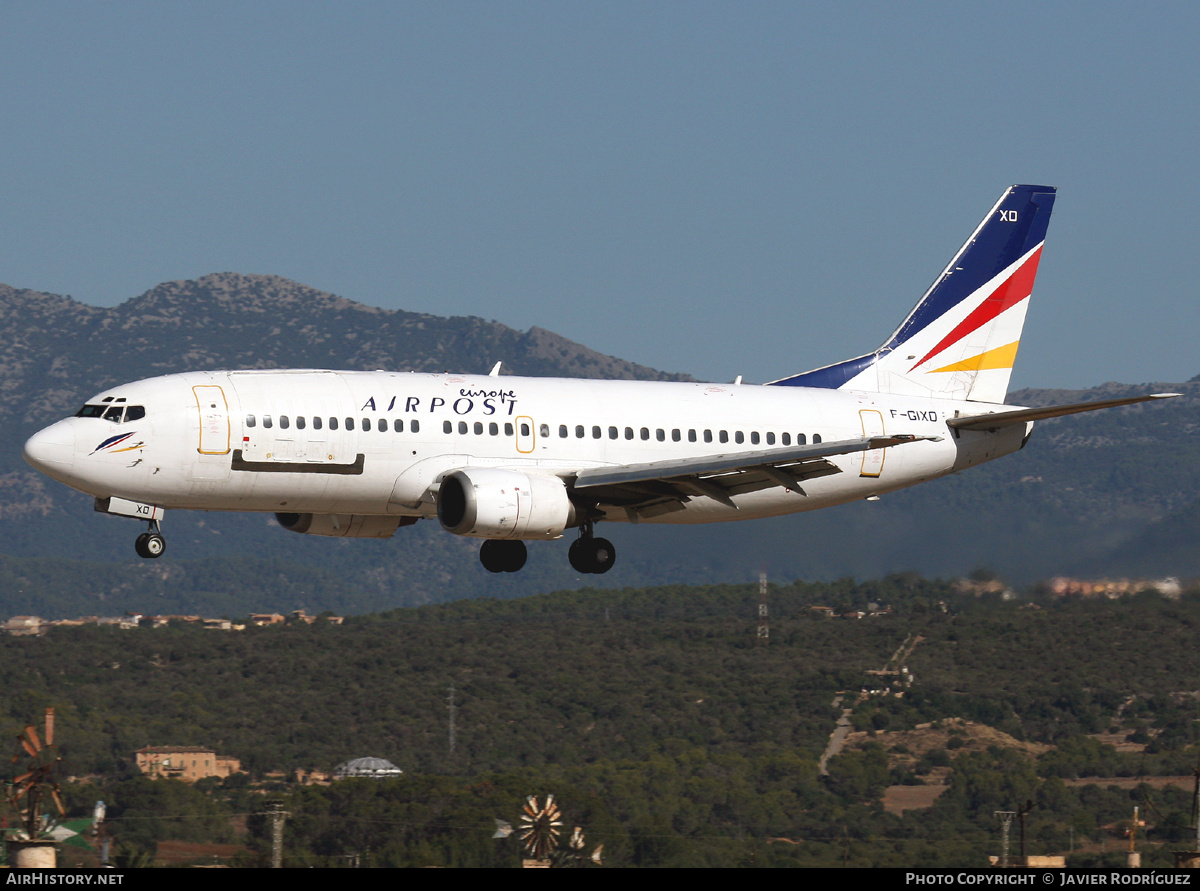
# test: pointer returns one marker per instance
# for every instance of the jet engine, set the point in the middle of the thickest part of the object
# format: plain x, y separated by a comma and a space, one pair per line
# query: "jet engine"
489, 503
344, 525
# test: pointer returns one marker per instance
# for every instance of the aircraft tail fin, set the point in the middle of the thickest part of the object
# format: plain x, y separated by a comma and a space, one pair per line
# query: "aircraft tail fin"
961, 339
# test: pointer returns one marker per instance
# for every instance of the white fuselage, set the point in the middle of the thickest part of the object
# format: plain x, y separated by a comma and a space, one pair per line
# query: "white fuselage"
377, 443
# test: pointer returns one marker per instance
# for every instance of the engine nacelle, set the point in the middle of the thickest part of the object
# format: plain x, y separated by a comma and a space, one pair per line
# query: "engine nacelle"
488, 503
344, 525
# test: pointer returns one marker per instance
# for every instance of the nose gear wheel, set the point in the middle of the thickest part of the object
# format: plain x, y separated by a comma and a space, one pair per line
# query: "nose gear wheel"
150, 545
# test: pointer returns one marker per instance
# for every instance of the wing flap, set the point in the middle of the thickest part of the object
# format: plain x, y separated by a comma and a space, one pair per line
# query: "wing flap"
720, 477
738, 461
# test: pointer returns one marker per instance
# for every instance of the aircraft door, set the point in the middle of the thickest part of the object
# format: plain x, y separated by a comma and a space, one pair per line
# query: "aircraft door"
210, 463
281, 449
525, 434
214, 420
315, 448
872, 424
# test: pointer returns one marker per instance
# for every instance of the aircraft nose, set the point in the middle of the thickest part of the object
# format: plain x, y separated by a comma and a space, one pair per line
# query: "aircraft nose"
51, 449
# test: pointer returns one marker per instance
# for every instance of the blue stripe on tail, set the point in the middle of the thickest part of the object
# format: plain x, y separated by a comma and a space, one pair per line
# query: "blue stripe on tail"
1012, 228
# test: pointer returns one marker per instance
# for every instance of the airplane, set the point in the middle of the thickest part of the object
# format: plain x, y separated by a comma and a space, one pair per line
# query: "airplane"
512, 459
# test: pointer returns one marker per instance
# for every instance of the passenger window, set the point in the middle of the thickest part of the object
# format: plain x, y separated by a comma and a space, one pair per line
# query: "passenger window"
398, 425
524, 429
754, 437
645, 433
708, 436
579, 431
675, 436
493, 429
508, 429
770, 439
544, 431
414, 426
349, 423
816, 438
134, 413
249, 420
612, 431
317, 422
381, 425
267, 422
114, 414
801, 439
724, 436
300, 422
366, 425
447, 427
479, 428
462, 428
691, 436
660, 435
284, 423
629, 433
562, 431
787, 439
739, 437
333, 423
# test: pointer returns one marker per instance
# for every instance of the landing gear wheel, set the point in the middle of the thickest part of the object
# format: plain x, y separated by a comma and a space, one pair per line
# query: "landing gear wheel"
503, 556
592, 555
517, 555
150, 545
604, 555
578, 556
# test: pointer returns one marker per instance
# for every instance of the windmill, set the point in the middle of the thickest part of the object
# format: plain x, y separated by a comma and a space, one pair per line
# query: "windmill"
34, 785
539, 830
575, 855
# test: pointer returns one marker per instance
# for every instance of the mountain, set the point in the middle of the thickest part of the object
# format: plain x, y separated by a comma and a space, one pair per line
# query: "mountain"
1111, 492
56, 351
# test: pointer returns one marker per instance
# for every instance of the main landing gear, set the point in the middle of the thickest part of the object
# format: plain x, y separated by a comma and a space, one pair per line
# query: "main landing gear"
502, 556
150, 544
591, 555
588, 554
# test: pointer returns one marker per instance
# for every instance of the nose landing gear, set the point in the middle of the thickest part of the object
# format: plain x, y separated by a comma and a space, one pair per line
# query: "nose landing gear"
150, 544
591, 555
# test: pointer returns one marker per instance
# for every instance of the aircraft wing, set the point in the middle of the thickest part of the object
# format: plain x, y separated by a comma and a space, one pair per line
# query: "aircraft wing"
996, 420
662, 486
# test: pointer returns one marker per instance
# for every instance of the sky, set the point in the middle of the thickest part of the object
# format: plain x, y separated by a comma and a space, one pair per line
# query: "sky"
712, 188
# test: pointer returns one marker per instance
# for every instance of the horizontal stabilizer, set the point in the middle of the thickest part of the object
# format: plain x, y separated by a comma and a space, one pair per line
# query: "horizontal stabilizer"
996, 420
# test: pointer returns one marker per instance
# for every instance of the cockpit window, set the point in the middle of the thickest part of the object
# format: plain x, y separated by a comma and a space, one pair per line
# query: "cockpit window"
114, 413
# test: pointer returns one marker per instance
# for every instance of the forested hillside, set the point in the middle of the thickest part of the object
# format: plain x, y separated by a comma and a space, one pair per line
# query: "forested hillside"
662, 724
